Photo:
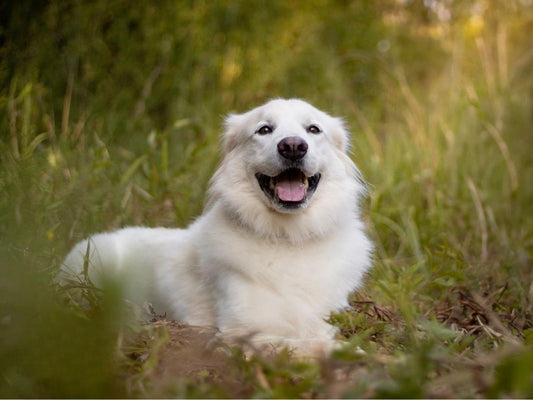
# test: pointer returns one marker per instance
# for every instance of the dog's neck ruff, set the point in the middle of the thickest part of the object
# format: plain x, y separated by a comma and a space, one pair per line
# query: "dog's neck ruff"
296, 228
272, 235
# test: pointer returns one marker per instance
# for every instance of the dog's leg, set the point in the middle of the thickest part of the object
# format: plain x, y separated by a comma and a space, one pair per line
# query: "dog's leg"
158, 266
126, 257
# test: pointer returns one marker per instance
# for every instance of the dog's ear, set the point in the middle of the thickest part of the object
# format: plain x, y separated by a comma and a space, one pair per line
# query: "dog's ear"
233, 127
341, 136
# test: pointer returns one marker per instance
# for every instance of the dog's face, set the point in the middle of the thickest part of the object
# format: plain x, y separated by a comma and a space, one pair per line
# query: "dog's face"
287, 148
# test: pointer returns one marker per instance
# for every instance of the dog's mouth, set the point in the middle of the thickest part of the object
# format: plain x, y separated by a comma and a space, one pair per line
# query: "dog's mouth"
291, 189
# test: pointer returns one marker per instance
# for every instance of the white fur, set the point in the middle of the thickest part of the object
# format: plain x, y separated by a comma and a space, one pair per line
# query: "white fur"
248, 266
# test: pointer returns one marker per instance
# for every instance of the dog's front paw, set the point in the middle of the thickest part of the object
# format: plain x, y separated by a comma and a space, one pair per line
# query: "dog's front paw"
271, 345
313, 348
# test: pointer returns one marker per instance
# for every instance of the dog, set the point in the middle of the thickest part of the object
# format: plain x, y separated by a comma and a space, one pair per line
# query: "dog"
280, 245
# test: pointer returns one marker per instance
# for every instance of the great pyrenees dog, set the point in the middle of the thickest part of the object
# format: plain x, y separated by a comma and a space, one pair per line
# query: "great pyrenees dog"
281, 243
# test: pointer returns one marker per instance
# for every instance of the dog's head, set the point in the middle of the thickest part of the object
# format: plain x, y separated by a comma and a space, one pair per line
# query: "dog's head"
285, 156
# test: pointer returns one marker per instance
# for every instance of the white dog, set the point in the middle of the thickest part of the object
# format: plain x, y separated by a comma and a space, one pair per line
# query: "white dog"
279, 246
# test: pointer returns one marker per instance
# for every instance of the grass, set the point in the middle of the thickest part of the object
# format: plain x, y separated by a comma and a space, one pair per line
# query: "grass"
441, 127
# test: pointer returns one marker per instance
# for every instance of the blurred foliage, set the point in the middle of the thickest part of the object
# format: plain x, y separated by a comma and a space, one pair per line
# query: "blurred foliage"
147, 65
110, 113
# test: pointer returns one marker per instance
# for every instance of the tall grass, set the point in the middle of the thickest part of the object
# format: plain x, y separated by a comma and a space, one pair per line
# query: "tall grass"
115, 121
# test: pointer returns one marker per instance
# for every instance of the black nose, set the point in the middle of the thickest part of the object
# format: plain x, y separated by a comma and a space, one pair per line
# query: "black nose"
292, 148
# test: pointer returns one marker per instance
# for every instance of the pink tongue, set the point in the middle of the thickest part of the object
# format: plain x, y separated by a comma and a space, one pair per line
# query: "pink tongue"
290, 190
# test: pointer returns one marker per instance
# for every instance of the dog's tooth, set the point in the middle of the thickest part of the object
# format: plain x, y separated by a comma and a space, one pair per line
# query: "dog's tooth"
272, 183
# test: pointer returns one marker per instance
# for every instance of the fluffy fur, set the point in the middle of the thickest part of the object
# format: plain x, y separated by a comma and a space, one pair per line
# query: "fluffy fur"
255, 264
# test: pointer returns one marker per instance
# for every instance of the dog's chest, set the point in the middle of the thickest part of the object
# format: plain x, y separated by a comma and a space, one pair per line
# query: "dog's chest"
319, 271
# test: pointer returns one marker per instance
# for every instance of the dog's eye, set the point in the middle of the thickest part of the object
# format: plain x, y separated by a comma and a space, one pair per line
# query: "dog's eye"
313, 129
265, 130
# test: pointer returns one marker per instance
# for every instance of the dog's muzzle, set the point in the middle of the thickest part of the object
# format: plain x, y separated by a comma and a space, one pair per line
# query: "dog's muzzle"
292, 188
